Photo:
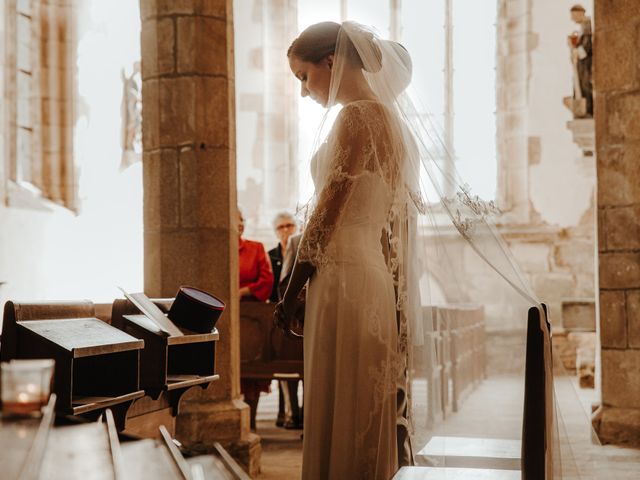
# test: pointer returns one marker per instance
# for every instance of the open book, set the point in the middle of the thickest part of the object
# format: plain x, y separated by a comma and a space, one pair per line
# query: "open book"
151, 311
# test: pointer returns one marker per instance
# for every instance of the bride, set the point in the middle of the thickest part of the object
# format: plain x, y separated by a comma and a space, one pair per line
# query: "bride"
368, 244
349, 253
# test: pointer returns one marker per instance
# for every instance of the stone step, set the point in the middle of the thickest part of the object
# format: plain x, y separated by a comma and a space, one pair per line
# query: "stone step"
434, 473
468, 452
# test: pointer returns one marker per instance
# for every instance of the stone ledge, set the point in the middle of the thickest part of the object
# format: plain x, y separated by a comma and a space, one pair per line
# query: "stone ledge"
584, 134
200, 424
619, 426
579, 314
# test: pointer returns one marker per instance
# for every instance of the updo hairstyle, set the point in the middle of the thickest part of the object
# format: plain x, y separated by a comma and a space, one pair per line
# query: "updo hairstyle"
318, 41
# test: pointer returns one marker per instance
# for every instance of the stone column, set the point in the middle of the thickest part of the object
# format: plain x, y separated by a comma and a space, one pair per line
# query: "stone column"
617, 118
190, 232
515, 149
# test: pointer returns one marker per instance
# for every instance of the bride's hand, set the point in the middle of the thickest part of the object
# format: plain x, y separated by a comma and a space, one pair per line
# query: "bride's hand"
284, 315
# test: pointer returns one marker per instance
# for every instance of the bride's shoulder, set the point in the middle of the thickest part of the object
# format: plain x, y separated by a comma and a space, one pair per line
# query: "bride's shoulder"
361, 112
359, 107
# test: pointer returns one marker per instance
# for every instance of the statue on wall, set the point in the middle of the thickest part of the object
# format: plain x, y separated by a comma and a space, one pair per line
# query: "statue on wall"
131, 111
581, 104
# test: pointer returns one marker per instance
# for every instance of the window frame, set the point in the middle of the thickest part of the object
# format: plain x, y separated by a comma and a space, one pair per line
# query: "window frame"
50, 104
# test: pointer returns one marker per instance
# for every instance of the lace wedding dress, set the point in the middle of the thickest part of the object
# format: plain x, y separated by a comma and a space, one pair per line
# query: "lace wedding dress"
391, 216
351, 331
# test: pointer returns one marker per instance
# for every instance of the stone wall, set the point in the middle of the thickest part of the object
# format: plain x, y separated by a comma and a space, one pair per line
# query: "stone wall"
617, 115
549, 227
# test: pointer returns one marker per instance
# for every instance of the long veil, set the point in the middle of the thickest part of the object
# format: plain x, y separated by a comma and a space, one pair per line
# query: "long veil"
462, 303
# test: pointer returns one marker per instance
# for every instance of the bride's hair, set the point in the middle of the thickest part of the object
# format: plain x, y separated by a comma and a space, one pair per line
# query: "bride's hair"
319, 41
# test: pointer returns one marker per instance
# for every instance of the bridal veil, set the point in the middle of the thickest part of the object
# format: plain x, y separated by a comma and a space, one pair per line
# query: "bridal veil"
462, 303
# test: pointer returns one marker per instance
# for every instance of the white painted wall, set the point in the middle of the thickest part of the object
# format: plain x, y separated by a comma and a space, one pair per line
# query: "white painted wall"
562, 183
55, 254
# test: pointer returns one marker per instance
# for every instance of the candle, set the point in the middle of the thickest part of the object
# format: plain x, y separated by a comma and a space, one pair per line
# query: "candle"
25, 386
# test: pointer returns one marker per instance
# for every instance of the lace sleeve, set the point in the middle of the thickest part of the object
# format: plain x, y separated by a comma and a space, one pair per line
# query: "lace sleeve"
349, 147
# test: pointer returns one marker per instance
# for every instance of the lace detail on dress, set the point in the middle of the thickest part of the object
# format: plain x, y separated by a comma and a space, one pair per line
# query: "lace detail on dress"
360, 143
383, 376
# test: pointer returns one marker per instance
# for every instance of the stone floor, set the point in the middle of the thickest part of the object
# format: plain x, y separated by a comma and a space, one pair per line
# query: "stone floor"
281, 449
581, 458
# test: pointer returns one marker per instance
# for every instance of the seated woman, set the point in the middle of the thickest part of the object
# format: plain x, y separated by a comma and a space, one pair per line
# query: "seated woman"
256, 281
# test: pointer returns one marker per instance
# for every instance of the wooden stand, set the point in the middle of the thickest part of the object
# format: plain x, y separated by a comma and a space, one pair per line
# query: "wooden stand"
96, 364
168, 363
172, 363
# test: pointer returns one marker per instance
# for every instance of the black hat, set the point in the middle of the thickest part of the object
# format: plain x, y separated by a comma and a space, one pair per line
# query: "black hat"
196, 310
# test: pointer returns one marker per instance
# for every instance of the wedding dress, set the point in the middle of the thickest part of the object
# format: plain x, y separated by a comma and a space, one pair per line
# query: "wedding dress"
350, 332
390, 215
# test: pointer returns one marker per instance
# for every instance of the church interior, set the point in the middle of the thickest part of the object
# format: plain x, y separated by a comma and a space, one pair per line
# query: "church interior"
133, 132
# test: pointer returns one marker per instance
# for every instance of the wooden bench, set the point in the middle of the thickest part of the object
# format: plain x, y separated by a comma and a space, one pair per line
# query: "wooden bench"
463, 352
467, 452
265, 350
430, 473
452, 358
427, 364
33, 449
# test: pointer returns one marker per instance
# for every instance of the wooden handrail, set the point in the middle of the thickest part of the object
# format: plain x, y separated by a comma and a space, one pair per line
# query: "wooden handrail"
33, 461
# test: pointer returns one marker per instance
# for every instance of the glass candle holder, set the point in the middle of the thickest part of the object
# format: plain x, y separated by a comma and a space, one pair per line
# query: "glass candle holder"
26, 385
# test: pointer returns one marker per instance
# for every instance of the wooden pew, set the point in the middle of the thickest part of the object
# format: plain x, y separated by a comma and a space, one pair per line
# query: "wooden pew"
429, 363
537, 434
265, 350
467, 352
452, 358
266, 353
469, 458
445, 328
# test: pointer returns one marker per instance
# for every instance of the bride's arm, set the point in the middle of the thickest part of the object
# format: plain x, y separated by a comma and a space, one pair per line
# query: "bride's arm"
349, 150
317, 235
302, 271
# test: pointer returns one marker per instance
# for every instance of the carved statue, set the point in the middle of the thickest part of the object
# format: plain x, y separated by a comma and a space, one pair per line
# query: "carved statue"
131, 111
581, 104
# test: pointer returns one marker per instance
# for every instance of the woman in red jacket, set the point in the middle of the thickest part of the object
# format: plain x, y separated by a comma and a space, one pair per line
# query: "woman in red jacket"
256, 274
256, 281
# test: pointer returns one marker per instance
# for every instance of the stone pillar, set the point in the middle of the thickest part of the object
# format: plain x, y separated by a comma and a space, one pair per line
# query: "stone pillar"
190, 232
617, 118
513, 72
